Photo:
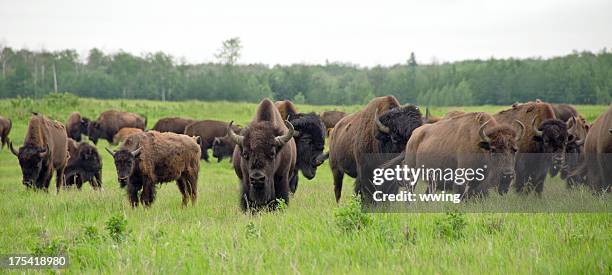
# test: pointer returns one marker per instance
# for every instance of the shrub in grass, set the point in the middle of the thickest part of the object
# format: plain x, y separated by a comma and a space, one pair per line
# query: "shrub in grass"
451, 227
350, 217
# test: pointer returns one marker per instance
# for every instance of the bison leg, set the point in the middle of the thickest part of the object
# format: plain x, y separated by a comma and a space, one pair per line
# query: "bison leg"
148, 192
59, 179
181, 185
132, 190
97, 181
192, 187
338, 176
79, 182
282, 190
293, 182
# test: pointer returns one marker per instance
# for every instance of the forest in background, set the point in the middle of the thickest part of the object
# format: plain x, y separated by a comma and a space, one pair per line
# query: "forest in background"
579, 78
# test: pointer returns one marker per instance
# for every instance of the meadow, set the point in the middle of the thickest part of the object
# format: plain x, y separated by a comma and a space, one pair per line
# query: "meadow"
101, 233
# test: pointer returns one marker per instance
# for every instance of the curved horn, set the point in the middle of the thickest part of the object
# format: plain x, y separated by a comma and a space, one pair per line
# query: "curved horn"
44, 153
580, 142
281, 140
536, 132
381, 127
321, 158
522, 126
236, 138
15, 152
571, 130
136, 152
110, 151
482, 134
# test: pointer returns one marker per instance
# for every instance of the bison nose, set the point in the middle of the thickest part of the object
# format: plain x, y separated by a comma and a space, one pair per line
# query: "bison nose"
257, 179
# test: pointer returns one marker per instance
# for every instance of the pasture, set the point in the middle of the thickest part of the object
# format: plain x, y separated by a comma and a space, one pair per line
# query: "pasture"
101, 233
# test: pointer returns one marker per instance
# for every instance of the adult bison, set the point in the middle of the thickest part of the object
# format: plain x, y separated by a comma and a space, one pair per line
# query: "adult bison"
125, 133
44, 150
309, 137
286, 108
223, 147
110, 122
5, 128
598, 153
84, 165
467, 141
359, 140
264, 158
149, 158
208, 130
76, 126
330, 118
172, 124
542, 146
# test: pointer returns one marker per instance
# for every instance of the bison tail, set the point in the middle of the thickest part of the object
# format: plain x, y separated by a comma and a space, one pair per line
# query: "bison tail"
394, 162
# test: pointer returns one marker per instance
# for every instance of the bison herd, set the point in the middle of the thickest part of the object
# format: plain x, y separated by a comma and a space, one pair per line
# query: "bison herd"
520, 145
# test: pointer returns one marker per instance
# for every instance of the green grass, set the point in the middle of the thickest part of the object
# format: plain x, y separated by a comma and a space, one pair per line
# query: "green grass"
307, 237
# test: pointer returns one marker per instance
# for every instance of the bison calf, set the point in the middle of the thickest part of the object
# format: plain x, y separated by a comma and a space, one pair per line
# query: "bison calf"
76, 126
84, 165
172, 124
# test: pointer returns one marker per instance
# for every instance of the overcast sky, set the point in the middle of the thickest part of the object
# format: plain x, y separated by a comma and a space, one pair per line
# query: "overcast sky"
312, 31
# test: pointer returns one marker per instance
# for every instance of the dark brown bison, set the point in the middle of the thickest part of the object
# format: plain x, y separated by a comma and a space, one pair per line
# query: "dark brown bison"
466, 141
598, 153
84, 165
330, 118
574, 154
172, 124
542, 146
309, 137
359, 140
564, 112
264, 158
110, 122
208, 130
223, 147
149, 158
76, 126
5, 128
286, 108
124, 133
44, 150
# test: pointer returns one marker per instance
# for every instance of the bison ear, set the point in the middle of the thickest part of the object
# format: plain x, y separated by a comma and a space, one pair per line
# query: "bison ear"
484, 145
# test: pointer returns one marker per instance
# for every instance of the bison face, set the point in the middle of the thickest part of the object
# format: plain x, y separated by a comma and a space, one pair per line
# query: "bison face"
94, 131
222, 147
500, 146
309, 137
258, 151
31, 159
84, 125
551, 138
125, 162
395, 127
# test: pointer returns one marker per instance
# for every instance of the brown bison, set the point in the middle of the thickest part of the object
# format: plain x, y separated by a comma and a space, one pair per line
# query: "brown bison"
598, 153
542, 146
76, 126
5, 128
149, 158
208, 130
110, 122
359, 140
172, 124
330, 118
264, 158
84, 165
286, 108
44, 150
564, 111
124, 133
466, 141
574, 154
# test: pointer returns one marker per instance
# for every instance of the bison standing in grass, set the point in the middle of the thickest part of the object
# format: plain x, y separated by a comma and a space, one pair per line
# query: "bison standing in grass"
359, 140
149, 158
5, 128
208, 130
309, 138
84, 165
110, 122
223, 147
264, 159
44, 150
172, 124
76, 126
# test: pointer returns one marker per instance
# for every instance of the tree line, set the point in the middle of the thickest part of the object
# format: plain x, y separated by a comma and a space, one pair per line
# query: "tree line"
579, 78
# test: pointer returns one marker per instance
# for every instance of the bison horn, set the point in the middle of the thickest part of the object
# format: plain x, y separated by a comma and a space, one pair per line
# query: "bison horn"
381, 127
15, 152
110, 151
321, 158
482, 134
236, 138
572, 121
610, 130
136, 152
281, 140
427, 116
580, 142
45, 152
520, 134
536, 132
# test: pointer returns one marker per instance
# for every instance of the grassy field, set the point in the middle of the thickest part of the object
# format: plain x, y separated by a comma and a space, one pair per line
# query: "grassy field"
102, 234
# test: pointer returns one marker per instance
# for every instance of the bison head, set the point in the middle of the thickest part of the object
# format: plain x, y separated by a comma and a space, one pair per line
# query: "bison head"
573, 151
125, 162
500, 145
84, 125
551, 138
309, 138
222, 147
31, 159
258, 147
94, 131
395, 126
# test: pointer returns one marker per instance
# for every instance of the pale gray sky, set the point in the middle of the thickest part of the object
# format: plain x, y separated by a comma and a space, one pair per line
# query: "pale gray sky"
310, 31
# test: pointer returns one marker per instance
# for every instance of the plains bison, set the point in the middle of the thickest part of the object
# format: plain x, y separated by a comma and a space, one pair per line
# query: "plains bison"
5, 128
264, 159
84, 165
309, 138
208, 130
564, 111
76, 126
359, 140
124, 133
223, 147
598, 153
110, 122
172, 124
44, 150
149, 158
